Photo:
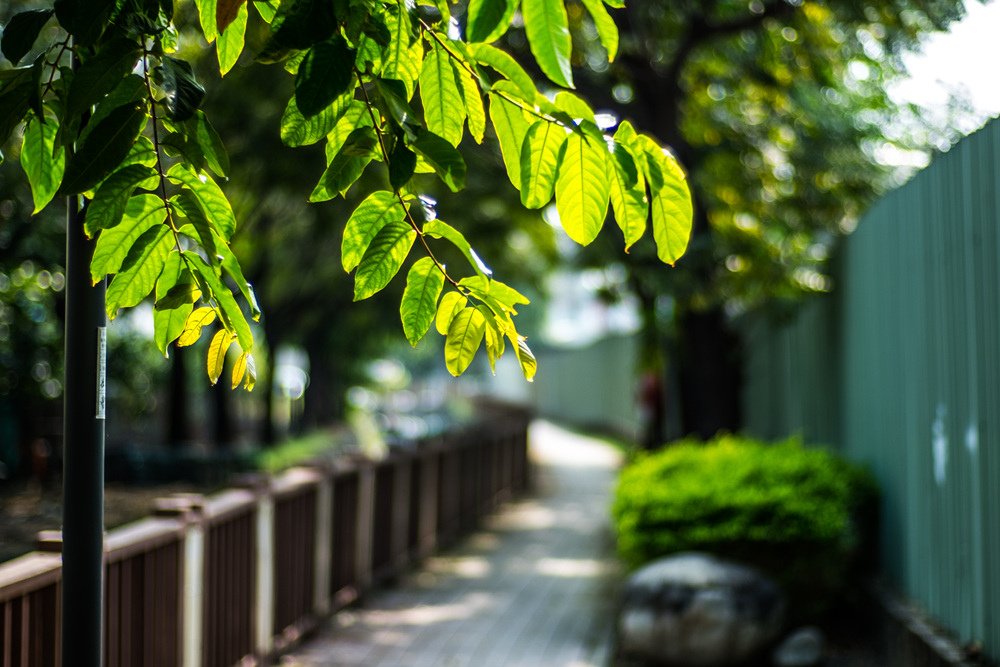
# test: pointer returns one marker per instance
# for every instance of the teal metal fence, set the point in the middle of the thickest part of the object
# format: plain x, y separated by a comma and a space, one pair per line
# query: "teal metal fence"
899, 368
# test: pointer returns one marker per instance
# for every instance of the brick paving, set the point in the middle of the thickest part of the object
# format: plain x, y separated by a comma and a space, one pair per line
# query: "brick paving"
535, 587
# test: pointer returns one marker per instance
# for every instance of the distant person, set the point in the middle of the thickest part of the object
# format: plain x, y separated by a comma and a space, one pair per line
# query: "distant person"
651, 409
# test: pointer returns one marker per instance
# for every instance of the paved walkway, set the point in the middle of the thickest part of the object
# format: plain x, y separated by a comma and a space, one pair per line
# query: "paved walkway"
534, 588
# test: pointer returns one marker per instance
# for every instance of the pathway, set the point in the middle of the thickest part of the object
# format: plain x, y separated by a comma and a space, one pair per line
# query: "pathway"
533, 588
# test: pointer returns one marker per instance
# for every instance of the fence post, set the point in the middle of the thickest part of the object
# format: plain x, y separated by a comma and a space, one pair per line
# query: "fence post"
265, 569
189, 507
366, 525
324, 544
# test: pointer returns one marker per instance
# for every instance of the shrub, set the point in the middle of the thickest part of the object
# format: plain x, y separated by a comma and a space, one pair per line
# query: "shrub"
795, 512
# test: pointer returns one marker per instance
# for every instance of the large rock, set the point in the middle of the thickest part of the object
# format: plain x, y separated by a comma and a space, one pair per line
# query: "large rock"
695, 610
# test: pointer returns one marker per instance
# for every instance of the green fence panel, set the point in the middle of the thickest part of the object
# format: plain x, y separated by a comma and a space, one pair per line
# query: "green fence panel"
899, 368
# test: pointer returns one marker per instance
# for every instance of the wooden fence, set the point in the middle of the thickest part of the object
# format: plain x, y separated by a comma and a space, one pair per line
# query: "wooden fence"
237, 577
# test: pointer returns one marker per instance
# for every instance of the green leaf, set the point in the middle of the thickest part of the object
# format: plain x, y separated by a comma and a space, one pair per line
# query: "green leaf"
209, 142
21, 32
393, 93
445, 159
212, 287
112, 197
347, 165
265, 9
628, 195
444, 112
356, 116
299, 24
209, 196
582, 188
206, 15
405, 54
511, 126
297, 130
105, 147
232, 40
402, 163
489, 19
43, 163
84, 19
541, 154
375, 212
383, 258
184, 292
547, 28
473, 104
227, 11
183, 92
607, 31
138, 273
130, 90
186, 205
324, 74
142, 152
465, 334
168, 324
142, 213
101, 74
505, 65
451, 304
235, 272
217, 349
419, 304
442, 230
19, 92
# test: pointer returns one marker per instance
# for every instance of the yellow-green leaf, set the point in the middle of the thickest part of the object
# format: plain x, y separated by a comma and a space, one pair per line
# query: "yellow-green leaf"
217, 349
503, 63
582, 188
440, 229
420, 297
607, 31
297, 130
511, 126
376, 211
489, 19
213, 288
139, 271
670, 202
42, 162
112, 196
465, 334
547, 28
230, 42
540, 158
628, 195
474, 109
195, 322
209, 197
383, 259
444, 112
141, 213
404, 55
451, 304
168, 324
245, 371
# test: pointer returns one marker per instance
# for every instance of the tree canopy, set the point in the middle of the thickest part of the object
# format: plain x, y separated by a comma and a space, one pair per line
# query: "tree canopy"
112, 111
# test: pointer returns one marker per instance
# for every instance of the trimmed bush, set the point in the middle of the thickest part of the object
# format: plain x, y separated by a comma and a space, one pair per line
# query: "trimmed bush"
795, 512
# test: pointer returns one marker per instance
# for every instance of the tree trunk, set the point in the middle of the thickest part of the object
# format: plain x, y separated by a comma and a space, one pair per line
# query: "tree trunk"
709, 361
179, 427
223, 429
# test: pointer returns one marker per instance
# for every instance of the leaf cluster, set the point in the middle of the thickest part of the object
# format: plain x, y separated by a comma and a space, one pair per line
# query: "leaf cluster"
113, 115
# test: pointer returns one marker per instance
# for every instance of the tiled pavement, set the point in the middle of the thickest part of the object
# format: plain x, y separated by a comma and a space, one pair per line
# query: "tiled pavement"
535, 587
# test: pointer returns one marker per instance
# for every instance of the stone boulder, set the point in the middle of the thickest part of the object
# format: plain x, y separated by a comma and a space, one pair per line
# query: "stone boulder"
695, 610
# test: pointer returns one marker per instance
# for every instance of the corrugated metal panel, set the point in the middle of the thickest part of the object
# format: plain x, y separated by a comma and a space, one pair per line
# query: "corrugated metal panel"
899, 369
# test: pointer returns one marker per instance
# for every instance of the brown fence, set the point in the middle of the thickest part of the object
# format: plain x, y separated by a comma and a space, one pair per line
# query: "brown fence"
236, 577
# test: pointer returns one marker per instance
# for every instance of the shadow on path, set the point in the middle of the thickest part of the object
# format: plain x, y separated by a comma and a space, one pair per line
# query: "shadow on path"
534, 587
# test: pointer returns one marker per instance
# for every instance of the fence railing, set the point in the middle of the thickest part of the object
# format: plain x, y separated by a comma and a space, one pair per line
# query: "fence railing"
235, 577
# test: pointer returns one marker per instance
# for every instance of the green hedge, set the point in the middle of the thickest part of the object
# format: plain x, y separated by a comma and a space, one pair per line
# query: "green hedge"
797, 513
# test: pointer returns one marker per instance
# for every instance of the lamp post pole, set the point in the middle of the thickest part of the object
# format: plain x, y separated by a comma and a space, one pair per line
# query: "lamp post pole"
83, 450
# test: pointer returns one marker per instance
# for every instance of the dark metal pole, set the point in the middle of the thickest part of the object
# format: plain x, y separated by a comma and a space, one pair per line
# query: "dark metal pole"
83, 450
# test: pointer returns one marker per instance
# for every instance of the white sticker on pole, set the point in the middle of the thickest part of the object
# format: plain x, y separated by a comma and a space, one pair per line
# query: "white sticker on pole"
102, 368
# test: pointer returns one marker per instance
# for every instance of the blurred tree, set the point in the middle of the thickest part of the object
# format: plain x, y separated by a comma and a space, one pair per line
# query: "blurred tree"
779, 111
